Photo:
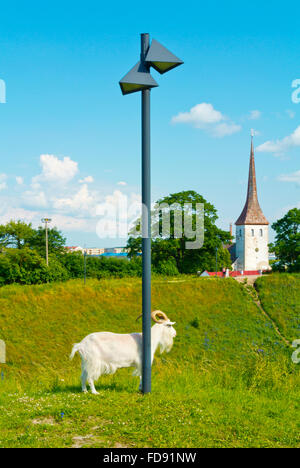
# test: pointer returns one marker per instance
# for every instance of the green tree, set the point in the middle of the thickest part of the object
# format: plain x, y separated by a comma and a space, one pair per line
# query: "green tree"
16, 234
167, 267
74, 263
25, 266
287, 241
56, 271
102, 267
56, 241
186, 260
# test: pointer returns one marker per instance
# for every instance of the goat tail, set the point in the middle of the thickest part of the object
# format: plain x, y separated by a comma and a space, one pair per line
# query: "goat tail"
75, 348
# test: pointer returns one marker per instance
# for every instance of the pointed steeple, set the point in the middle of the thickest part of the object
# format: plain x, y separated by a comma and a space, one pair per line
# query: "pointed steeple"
252, 213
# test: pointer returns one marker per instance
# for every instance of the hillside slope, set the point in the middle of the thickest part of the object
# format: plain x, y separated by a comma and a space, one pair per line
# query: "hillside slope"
280, 298
216, 320
228, 381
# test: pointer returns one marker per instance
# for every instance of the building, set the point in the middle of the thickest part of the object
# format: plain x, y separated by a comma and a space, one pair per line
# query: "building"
95, 251
74, 249
100, 251
115, 250
250, 251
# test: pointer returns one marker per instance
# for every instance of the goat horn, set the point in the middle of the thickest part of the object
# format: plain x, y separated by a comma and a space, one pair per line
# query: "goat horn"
154, 315
159, 313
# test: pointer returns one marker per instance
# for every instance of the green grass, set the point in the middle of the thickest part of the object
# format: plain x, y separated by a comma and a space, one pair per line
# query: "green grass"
228, 382
280, 297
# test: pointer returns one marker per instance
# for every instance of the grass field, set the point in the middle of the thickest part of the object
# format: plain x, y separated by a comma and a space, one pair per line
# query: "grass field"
228, 382
280, 298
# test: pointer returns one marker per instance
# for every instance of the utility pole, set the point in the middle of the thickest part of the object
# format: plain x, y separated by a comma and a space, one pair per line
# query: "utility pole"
84, 265
46, 221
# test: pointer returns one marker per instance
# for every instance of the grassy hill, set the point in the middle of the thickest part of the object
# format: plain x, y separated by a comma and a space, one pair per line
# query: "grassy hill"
217, 387
280, 297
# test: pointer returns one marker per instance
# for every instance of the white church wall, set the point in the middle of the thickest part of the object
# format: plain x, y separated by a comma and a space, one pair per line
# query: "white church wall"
256, 247
252, 247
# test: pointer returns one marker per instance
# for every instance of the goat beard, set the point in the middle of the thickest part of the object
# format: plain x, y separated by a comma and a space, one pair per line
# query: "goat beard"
166, 345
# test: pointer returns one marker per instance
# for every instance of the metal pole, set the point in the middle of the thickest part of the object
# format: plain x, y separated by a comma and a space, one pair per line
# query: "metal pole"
146, 228
85, 267
47, 256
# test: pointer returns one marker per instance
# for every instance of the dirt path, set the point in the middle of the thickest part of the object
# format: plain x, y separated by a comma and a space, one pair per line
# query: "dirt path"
250, 279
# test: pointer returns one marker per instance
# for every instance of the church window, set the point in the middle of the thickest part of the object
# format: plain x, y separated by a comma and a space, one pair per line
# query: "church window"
261, 232
252, 232
240, 232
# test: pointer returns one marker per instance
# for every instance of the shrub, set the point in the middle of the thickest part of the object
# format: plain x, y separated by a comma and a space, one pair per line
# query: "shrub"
56, 270
22, 266
25, 266
74, 264
102, 267
167, 267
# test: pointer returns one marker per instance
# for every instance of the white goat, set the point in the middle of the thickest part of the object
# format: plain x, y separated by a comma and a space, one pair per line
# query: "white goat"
105, 352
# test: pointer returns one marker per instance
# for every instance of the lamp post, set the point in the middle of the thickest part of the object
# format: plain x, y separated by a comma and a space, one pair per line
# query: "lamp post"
140, 79
46, 221
85, 266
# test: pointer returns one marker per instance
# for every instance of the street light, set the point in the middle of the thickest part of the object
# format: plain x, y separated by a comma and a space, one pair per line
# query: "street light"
84, 265
139, 79
46, 221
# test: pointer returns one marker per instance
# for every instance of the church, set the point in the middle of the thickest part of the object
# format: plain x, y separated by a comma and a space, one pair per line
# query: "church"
250, 250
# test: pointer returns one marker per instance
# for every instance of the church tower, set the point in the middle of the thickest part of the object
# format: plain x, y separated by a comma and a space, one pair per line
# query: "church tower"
252, 229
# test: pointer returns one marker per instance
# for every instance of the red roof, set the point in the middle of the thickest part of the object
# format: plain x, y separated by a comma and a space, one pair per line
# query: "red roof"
235, 273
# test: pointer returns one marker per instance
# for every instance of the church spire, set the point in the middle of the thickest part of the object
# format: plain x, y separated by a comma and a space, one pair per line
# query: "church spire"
252, 213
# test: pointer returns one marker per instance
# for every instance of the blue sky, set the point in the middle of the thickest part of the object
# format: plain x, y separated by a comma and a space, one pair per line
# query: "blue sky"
69, 141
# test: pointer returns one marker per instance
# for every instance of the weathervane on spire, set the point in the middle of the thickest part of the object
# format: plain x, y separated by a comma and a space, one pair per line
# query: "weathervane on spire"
252, 132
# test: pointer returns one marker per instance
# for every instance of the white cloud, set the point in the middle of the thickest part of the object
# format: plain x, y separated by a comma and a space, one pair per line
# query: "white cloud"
19, 180
62, 222
9, 213
205, 117
71, 223
82, 200
280, 147
254, 115
70, 203
34, 199
86, 180
3, 184
55, 169
224, 129
117, 214
294, 177
199, 115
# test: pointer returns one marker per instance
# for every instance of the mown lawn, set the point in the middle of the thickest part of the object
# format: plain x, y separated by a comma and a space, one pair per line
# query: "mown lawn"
228, 382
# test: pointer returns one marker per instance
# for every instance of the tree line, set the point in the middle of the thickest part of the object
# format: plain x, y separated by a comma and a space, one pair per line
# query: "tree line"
22, 249
22, 258
287, 242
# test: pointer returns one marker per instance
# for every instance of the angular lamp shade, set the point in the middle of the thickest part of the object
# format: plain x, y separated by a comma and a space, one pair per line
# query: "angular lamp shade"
161, 58
137, 79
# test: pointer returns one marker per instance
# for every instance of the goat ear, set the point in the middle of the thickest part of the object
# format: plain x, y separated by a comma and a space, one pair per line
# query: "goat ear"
171, 323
